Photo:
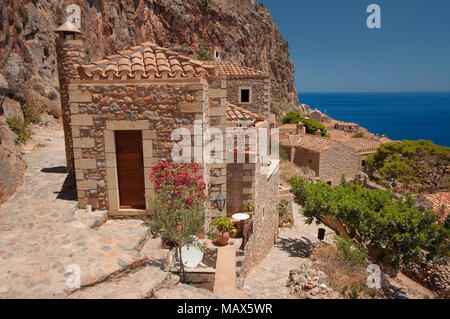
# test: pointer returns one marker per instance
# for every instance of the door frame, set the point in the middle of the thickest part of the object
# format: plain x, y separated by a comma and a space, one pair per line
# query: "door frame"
112, 185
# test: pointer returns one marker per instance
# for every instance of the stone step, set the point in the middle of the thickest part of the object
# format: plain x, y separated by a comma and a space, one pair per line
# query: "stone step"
239, 261
182, 291
92, 220
138, 284
240, 253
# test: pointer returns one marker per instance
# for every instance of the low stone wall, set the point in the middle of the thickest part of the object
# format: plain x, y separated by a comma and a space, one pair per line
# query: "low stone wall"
265, 219
434, 277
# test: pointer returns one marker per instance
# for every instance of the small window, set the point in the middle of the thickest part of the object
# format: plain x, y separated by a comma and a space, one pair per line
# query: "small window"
329, 183
245, 95
310, 162
363, 163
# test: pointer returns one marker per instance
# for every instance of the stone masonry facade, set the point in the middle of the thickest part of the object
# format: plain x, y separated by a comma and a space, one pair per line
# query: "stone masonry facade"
338, 160
265, 218
69, 55
259, 94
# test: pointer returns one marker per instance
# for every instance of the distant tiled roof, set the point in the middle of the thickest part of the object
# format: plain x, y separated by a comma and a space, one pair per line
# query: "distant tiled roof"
441, 204
287, 127
236, 113
363, 145
290, 140
234, 70
315, 143
147, 61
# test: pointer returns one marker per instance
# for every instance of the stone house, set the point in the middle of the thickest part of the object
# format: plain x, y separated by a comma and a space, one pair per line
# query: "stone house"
364, 147
343, 126
318, 116
119, 113
327, 158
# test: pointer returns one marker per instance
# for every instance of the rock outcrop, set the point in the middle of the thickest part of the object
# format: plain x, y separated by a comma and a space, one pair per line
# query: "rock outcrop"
309, 283
240, 30
12, 165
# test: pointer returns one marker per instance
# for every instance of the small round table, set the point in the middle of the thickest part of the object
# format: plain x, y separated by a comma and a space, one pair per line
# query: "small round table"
241, 217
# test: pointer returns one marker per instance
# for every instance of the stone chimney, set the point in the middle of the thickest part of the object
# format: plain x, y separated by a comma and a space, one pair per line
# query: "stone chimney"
318, 132
69, 55
301, 129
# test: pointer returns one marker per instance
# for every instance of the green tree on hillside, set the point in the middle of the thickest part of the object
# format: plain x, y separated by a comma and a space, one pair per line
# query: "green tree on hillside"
311, 125
416, 163
394, 228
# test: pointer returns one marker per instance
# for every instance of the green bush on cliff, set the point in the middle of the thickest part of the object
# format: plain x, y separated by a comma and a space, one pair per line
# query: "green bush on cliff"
411, 162
395, 228
311, 125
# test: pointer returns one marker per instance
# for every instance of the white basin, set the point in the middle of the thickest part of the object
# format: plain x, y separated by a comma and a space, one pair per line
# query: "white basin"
240, 216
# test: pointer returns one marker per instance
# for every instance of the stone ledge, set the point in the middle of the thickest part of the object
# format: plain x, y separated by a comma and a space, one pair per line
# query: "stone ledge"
127, 125
80, 96
191, 107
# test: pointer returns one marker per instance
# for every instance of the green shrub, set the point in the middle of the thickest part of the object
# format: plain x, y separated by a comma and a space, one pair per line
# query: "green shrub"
204, 54
396, 228
358, 135
282, 207
350, 250
284, 155
19, 127
419, 164
292, 118
311, 125
248, 207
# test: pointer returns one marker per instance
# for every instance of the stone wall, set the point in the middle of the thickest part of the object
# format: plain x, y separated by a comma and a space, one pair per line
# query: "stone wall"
265, 219
215, 117
337, 160
259, 96
305, 158
241, 181
433, 276
97, 110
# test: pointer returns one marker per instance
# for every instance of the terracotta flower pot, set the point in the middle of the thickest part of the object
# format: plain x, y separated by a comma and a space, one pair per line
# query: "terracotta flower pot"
224, 237
179, 227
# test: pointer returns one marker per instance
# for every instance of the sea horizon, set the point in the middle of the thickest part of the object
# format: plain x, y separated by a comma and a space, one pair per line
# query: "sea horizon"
398, 115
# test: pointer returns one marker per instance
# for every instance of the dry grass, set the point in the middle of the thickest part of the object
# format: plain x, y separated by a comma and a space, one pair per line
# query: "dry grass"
341, 273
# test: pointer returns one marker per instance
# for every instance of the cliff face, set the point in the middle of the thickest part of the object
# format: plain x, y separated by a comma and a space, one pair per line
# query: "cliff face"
241, 30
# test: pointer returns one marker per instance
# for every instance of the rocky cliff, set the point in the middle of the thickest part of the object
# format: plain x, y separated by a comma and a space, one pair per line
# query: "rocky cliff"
241, 30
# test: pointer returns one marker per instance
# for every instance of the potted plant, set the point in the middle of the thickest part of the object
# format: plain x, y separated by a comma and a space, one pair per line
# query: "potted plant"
248, 208
224, 226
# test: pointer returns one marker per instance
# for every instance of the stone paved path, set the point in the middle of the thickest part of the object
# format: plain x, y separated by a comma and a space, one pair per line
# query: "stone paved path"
268, 279
40, 237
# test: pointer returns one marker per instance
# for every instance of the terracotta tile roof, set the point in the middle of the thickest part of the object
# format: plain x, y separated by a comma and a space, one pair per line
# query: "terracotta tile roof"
362, 145
147, 61
236, 113
289, 140
316, 143
288, 127
234, 70
441, 204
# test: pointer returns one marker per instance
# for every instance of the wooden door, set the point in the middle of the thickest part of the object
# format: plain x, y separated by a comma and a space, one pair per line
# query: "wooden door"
130, 169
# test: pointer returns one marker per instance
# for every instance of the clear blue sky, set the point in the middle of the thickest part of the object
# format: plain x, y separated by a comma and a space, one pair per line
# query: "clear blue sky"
334, 51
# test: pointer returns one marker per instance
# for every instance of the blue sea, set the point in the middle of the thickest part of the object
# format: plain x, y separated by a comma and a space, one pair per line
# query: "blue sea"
401, 116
